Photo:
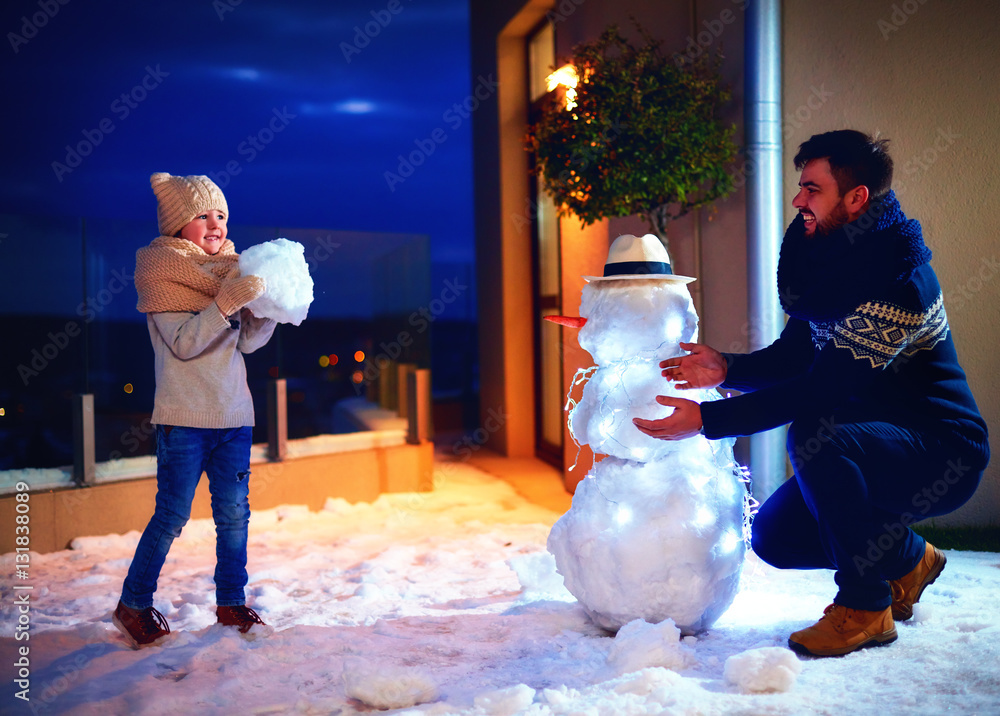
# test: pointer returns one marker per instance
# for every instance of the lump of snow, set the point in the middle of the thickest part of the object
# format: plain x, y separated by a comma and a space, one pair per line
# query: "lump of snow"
106, 543
537, 574
647, 681
385, 687
768, 669
639, 645
282, 265
506, 702
292, 512
267, 597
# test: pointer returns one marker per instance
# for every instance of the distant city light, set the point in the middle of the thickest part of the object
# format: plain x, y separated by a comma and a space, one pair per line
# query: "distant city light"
359, 356
273, 371
334, 359
2, 413
128, 387
324, 361
358, 376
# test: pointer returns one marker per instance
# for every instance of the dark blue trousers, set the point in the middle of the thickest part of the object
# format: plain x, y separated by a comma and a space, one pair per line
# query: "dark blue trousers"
857, 488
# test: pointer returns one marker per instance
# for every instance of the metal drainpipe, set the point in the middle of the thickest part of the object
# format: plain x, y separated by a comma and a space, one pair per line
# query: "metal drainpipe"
762, 114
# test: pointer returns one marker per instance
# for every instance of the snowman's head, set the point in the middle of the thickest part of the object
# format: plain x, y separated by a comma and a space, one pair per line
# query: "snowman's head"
637, 317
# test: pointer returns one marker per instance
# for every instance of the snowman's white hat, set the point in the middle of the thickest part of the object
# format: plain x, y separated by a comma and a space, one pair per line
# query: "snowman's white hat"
632, 257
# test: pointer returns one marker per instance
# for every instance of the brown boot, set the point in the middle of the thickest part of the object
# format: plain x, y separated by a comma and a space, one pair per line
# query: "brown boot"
906, 590
842, 630
142, 627
242, 617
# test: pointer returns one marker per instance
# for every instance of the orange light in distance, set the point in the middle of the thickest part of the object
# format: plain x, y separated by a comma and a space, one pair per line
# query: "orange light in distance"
358, 376
359, 356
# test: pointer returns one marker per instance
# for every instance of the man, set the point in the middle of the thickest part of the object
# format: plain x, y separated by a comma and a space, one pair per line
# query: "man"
884, 430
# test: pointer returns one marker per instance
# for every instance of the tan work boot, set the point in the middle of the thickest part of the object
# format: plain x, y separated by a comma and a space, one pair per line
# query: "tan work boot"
906, 590
843, 630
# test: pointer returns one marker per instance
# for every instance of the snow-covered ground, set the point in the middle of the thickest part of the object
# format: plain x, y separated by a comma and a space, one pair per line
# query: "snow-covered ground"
447, 603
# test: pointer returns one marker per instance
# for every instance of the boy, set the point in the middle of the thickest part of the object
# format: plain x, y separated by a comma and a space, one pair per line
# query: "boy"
193, 297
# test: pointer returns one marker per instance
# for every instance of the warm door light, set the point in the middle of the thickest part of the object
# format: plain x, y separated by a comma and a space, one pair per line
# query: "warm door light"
567, 77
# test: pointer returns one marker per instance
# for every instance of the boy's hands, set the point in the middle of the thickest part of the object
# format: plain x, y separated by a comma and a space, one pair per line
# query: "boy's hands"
703, 367
235, 293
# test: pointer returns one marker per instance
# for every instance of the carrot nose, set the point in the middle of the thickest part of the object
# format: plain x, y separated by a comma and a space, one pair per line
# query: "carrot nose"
569, 321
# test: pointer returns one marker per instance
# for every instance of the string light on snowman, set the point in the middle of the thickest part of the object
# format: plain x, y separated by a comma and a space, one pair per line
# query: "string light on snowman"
658, 529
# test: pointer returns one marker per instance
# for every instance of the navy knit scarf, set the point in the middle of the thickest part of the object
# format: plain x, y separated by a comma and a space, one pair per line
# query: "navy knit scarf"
824, 278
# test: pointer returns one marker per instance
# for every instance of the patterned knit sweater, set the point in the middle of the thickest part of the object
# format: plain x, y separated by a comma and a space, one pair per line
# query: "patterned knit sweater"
878, 349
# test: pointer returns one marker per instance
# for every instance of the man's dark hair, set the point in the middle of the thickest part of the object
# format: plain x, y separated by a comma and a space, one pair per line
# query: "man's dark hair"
855, 159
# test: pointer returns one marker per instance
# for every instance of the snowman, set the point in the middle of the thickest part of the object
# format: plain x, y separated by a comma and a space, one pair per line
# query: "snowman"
657, 528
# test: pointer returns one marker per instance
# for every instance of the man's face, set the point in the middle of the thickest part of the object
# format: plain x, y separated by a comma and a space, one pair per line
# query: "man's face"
819, 199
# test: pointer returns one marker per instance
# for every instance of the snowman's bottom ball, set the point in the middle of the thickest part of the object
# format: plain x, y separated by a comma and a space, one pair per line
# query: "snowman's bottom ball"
654, 540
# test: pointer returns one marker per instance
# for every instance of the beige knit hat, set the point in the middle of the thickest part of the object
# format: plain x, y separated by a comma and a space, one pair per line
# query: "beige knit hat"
181, 199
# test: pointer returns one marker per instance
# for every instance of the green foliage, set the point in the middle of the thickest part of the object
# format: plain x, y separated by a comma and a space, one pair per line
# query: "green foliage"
645, 137
970, 539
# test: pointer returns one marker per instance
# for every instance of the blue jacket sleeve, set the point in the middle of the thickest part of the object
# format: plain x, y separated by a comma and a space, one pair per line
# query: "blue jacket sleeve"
790, 355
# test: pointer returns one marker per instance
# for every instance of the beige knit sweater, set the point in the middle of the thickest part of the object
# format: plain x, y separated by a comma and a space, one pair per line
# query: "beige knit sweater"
201, 379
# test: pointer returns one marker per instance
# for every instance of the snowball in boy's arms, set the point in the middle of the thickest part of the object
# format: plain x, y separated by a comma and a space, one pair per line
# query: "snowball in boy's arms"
281, 263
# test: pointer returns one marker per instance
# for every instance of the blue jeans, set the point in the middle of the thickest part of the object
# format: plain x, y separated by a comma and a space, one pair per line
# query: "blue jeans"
182, 454
857, 488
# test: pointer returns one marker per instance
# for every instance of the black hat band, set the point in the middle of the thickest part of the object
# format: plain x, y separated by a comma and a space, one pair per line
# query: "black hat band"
636, 267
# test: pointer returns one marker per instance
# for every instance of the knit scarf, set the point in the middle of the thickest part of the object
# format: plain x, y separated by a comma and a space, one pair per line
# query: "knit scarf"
824, 278
173, 274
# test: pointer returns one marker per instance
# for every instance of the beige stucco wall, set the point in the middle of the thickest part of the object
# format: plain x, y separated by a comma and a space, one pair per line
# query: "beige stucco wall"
924, 74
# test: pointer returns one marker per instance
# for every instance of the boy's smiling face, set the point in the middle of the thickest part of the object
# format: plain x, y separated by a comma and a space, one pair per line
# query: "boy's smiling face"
206, 231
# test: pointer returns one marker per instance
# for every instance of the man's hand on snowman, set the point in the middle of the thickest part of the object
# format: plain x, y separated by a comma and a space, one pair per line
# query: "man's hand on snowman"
703, 367
684, 422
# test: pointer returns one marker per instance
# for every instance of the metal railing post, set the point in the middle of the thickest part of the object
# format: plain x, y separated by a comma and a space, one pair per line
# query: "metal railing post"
403, 371
277, 420
84, 468
418, 402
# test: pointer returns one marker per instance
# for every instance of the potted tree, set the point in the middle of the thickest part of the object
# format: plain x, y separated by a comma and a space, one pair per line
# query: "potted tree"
641, 136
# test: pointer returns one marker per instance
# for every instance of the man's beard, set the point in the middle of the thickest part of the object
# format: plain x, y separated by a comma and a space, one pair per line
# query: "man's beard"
837, 218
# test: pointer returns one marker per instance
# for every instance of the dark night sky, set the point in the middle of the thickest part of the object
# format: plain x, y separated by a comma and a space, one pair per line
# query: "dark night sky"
217, 74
